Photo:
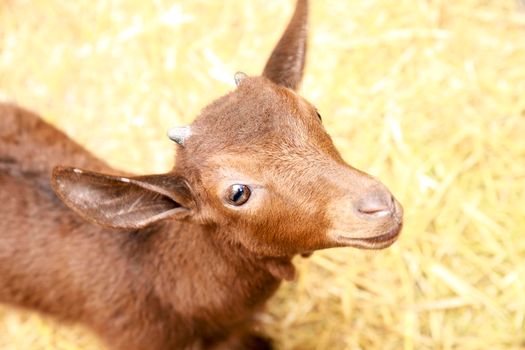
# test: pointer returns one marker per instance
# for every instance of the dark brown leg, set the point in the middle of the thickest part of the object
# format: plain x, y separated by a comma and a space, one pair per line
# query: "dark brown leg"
242, 341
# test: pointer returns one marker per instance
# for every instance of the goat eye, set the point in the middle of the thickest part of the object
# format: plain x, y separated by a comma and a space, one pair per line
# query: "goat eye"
238, 194
319, 116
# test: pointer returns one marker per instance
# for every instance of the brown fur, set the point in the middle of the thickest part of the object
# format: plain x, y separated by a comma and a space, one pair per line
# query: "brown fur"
162, 261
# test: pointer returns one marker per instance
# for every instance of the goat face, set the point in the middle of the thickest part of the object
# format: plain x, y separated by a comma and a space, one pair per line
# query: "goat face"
261, 163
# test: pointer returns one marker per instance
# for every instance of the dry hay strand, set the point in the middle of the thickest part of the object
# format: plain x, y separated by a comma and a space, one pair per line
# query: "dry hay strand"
429, 96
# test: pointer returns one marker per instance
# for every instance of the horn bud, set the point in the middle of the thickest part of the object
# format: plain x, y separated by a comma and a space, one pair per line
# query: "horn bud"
179, 134
239, 77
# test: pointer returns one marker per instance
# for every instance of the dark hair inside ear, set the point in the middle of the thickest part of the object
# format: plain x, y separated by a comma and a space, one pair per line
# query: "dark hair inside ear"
122, 202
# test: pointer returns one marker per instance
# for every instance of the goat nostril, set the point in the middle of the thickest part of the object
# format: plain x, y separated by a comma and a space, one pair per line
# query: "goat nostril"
376, 207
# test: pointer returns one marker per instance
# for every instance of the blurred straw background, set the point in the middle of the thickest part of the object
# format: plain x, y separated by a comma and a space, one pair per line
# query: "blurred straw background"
427, 95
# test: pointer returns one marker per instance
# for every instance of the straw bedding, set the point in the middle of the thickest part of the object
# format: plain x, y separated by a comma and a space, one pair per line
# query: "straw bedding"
427, 95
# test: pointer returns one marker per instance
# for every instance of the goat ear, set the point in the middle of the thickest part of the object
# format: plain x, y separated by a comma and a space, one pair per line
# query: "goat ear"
286, 63
122, 202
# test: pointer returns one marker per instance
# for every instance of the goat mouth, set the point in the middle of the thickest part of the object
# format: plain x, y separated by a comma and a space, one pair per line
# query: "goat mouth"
389, 236
376, 242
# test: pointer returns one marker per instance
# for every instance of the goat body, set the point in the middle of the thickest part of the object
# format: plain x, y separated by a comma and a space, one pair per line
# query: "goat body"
159, 287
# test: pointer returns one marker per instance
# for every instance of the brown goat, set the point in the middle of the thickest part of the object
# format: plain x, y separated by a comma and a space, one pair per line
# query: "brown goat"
184, 260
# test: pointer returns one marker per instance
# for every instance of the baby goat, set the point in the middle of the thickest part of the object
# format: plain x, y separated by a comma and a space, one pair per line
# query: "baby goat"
184, 260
